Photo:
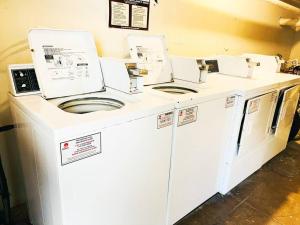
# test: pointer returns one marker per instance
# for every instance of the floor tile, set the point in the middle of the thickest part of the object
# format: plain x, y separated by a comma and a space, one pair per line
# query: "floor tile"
247, 215
219, 206
289, 212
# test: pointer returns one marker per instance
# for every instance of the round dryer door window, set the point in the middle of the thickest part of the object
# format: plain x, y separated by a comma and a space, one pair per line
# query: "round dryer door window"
91, 104
176, 90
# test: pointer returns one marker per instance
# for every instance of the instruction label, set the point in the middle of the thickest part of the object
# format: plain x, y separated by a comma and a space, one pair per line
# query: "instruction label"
150, 56
80, 148
119, 14
165, 120
187, 116
66, 63
139, 16
230, 101
253, 106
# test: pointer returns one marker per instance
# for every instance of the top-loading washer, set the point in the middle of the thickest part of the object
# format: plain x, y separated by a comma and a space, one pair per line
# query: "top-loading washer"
89, 155
269, 69
202, 118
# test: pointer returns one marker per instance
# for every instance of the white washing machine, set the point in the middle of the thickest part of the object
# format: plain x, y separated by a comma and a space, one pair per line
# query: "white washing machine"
89, 155
269, 69
250, 129
202, 118
200, 129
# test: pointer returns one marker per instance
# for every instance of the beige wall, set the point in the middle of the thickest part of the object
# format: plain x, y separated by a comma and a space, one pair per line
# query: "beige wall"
295, 53
192, 27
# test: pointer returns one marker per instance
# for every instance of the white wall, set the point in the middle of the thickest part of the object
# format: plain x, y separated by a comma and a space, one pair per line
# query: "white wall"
295, 53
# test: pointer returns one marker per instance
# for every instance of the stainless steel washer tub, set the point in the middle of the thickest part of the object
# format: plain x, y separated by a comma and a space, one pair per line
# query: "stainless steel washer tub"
176, 90
90, 104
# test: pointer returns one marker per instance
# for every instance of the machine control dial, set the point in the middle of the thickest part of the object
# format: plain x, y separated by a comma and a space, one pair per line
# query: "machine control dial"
25, 80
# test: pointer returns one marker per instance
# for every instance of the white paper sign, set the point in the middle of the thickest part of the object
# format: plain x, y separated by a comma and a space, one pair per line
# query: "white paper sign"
165, 120
139, 16
187, 116
129, 14
80, 148
120, 14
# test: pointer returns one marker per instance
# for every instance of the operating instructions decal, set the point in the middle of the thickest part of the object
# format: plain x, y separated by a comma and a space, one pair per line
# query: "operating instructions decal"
186, 116
65, 63
165, 120
80, 148
150, 58
129, 14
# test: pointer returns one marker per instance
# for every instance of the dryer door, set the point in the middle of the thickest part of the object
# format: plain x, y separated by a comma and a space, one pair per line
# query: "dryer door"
286, 111
256, 122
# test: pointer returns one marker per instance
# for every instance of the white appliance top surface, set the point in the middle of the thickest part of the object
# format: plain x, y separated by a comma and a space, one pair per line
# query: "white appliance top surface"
66, 62
244, 86
151, 53
46, 112
283, 79
205, 92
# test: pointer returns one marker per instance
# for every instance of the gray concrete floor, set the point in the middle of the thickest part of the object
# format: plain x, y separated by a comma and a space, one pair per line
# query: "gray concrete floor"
271, 196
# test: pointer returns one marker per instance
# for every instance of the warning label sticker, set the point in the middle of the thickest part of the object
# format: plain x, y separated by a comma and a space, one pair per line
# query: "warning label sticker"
230, 101
253, 106
80, 148
165, 120
186, 116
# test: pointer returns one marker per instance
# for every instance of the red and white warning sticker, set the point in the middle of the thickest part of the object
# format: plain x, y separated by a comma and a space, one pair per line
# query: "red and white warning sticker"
80, 148
186, 116
165, 120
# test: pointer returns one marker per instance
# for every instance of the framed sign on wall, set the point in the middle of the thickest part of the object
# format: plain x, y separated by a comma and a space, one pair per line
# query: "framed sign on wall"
129, 14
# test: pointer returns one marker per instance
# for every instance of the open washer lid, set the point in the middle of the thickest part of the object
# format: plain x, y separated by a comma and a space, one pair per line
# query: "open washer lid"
66, 62
151, 53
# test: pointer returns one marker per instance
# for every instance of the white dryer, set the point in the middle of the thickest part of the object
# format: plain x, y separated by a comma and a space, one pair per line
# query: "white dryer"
269, 69
89, 155
202, 118
250, 129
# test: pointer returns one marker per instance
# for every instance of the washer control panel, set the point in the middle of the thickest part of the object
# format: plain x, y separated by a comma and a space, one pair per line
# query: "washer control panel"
23, 80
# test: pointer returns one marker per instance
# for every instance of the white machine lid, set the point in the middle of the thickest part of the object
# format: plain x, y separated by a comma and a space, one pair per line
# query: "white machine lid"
66, 62
267, 63
151, 53
234, 65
